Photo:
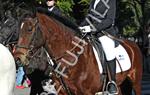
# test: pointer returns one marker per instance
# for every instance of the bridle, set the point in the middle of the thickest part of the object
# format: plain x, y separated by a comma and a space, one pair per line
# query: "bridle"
31, 52
30, 49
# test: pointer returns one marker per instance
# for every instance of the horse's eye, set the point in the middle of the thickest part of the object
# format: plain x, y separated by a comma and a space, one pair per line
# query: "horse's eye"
30, 28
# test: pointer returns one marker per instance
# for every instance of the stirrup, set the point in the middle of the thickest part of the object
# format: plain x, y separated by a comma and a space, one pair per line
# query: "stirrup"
114, 83
102, 93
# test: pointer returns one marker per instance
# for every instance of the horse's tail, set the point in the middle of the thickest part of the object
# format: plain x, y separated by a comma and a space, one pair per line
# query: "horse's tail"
135, 73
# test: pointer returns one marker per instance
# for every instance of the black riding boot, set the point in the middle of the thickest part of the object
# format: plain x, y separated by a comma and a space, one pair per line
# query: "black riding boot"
112, 87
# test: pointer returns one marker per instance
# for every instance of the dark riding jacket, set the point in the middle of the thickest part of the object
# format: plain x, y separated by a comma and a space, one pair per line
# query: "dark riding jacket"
56, 11
64, 18
103, 16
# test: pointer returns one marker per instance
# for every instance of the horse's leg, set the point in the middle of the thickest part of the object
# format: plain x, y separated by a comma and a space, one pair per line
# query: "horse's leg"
136, 76
135, 73
120, 93
136, 79
137, 88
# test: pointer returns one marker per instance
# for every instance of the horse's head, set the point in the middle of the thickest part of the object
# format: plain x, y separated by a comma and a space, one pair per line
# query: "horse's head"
30, 40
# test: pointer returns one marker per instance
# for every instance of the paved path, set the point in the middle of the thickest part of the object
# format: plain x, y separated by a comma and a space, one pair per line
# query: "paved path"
25, 91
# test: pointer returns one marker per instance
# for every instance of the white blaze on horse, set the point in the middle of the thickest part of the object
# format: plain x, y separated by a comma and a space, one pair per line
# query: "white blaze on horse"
7, 71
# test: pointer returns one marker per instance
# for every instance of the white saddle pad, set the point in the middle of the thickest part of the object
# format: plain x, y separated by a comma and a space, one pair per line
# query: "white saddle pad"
121, 56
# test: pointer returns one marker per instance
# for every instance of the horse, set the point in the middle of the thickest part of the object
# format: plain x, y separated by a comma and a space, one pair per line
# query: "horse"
7, 71
77, 77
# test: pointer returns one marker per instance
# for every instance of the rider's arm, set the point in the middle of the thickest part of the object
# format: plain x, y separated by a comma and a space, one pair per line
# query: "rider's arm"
109, 18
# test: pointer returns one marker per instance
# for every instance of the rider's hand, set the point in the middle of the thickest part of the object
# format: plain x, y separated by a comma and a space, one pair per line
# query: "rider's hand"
85, 29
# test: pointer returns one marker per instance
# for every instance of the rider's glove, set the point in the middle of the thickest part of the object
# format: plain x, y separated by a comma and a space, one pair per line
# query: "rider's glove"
85, 29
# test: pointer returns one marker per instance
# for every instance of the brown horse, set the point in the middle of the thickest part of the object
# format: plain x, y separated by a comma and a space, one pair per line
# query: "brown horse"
80, 76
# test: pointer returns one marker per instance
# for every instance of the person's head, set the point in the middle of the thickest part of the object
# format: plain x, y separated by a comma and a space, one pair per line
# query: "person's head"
50, 3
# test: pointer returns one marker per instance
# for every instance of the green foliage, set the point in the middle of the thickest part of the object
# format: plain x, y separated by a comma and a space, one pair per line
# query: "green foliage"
84, 2
65, 5
129, 17
129, 30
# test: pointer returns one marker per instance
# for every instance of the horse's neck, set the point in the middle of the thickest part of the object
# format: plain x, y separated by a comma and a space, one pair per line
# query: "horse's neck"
61, 43
59, 38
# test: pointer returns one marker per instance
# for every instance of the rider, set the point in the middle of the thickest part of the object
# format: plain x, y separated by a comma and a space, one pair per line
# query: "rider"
59, 14
100, 20
51, 4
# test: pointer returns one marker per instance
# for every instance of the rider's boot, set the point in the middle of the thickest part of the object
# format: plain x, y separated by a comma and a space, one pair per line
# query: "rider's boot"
112, 86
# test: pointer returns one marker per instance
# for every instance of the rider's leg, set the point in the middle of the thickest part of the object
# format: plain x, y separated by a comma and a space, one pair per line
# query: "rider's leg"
109, 50
112, 86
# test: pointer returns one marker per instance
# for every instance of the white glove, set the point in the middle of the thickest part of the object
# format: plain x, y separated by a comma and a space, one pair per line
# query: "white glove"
85, 29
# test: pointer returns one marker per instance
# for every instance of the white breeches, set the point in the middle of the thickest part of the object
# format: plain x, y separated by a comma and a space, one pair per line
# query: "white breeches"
108, 46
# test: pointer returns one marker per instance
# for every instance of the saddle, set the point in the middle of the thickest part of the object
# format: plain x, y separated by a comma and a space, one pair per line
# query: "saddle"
121, 56
121, 53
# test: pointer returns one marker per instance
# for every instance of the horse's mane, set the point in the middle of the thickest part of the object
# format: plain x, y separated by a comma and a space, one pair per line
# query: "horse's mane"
62, 19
